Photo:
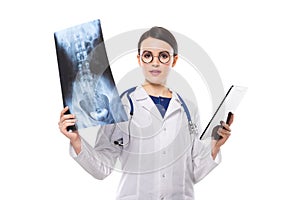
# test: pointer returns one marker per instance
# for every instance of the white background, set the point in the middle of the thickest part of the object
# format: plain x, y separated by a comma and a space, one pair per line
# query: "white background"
252, 43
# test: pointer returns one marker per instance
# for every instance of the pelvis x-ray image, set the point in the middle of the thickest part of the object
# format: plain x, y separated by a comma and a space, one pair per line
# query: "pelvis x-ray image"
87, 84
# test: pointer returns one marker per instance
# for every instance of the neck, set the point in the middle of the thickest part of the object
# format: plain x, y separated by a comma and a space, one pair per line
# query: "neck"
157, 90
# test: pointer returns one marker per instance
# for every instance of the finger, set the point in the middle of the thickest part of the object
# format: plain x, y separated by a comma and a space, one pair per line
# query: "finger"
225, 136
68, 121
66, 117
226, 126
223, 131
63, 127
64, 111
231, 119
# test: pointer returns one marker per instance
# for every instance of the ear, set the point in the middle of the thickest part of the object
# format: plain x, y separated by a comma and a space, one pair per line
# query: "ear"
139, 60
175, 60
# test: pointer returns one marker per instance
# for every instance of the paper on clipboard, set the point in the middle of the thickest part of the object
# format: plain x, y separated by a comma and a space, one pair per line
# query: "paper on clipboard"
229, 103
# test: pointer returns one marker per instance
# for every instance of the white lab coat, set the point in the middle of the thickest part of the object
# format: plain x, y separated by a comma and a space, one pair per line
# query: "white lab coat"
161, 160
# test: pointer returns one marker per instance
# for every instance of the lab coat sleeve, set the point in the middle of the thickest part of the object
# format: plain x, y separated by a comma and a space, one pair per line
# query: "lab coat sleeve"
100, 159
203, 163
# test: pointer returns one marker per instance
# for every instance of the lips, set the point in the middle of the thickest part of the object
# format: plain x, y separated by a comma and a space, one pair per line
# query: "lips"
155, 72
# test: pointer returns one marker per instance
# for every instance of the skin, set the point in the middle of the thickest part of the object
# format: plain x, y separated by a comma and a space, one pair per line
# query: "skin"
156, 74
216, 144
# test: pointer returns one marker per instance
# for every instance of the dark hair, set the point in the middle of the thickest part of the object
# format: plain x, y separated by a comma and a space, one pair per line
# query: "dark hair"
161, 34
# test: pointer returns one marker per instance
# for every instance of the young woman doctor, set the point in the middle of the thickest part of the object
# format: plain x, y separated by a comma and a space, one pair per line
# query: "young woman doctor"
158, 154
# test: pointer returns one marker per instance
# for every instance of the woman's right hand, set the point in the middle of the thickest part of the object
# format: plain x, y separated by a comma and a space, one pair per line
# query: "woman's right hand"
69, 120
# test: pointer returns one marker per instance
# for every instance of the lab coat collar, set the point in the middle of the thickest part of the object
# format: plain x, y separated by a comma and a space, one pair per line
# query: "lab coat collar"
140, 95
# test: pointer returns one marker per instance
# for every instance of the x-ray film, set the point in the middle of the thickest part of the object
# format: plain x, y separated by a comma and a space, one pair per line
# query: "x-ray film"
87, 83
228, 104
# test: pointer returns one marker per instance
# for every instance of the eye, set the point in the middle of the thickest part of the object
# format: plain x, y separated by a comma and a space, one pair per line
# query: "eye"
147, 54
147, 57
164, 55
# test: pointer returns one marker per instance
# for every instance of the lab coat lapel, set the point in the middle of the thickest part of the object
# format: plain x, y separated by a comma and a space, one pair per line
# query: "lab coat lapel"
174, 105
146, 102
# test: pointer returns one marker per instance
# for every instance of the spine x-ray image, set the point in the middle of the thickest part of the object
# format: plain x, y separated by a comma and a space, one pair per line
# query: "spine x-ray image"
87, 84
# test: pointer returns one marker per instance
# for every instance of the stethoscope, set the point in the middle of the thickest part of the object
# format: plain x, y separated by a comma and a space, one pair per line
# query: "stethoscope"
193, 129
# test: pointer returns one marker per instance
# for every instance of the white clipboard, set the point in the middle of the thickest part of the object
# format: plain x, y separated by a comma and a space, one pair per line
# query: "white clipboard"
228, 104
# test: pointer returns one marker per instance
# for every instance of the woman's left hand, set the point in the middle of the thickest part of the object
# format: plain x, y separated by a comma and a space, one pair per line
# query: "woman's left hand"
224, 131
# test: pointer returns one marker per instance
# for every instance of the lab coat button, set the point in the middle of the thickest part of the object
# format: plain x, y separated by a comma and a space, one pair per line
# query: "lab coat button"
163, 175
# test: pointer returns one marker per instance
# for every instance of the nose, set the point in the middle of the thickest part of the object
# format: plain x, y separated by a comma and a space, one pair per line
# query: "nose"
155, 61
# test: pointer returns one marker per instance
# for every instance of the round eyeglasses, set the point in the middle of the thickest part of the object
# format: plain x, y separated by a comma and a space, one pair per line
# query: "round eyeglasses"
163, 57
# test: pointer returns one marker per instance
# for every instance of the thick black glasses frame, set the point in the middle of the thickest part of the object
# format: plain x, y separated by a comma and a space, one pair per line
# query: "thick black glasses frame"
159, 57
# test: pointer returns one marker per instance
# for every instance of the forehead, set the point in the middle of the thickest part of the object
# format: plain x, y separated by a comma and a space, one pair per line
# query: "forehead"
155, 45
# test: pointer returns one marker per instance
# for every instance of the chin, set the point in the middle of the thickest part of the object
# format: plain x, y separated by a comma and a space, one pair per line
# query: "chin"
156, 82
